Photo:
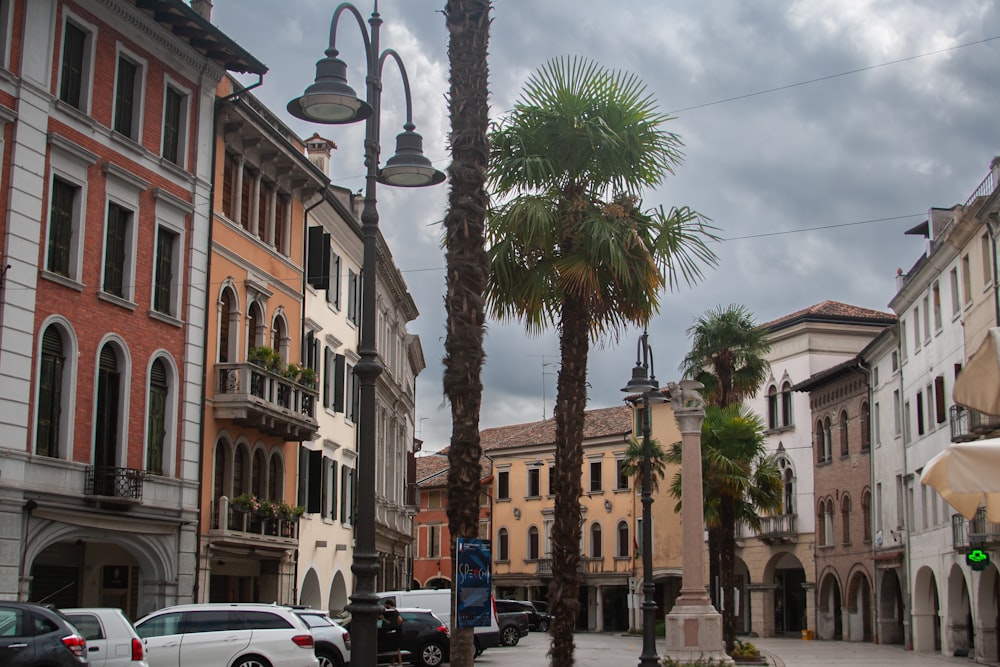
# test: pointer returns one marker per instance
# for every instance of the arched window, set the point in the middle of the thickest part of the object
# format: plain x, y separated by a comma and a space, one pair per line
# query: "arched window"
156, 421
241, 471
844, 446
221, 475
258, 474
786, 404
107, 425
255, 337
772, 407
866, 421
624, 545
845, 513
532, 543
279, 337
827, 441
276, 478
866, 514
821, 523
596, 548
820, 451
503, 545
227, 327
50, 394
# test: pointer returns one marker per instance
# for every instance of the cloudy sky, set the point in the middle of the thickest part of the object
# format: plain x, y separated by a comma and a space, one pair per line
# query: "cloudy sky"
811, 185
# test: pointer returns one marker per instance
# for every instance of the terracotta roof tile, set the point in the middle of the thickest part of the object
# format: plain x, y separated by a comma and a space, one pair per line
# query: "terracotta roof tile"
830, 311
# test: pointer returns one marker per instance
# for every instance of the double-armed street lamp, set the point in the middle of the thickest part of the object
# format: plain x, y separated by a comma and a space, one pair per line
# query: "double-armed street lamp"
331, 100
644, 383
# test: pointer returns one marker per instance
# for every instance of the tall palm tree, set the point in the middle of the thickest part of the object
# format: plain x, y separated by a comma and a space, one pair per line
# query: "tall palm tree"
468, 23
728, 356
632, 463
740, 481
572, 247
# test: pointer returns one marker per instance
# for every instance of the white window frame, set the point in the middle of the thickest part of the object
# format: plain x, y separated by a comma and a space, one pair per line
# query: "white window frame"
123, 188
169, 412
171, 214
70, 163
185, 122
89, 57
6, 12
139, 102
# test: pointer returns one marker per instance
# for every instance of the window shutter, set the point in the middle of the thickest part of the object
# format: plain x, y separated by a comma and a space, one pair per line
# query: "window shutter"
338, 383
318, 260
333, 490
315, 482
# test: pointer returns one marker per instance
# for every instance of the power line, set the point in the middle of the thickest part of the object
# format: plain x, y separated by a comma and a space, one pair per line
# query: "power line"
834, 76
813, 229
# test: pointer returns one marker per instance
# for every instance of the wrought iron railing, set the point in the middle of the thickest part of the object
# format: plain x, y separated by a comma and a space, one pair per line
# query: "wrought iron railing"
985, 189
266, 385
978, 531
968, 424
109, 482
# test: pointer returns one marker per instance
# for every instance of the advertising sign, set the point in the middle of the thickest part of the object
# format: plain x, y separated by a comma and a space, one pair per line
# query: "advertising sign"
473, 583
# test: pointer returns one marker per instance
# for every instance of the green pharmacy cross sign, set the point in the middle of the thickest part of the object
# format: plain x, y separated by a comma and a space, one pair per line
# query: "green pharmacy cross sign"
977, 559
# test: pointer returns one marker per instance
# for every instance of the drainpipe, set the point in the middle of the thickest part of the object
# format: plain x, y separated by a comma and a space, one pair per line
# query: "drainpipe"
992, 223
871, 485
907, 520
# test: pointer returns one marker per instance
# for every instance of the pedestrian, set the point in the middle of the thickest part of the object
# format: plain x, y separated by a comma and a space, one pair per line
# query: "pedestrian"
779, 617
390, 628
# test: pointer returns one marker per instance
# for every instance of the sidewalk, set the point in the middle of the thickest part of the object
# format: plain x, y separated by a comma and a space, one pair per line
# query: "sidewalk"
799, 653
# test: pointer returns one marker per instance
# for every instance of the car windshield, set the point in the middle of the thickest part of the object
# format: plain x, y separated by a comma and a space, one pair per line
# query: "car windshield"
315, 620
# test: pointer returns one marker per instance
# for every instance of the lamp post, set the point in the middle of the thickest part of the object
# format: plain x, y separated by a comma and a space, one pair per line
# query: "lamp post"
644, 382
331, 100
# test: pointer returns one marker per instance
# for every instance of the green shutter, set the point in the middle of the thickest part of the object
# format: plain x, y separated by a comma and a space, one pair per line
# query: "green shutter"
114, 255
50, 394
125, 94
157, 431
165, 241
71, 85
172, 108
61, 226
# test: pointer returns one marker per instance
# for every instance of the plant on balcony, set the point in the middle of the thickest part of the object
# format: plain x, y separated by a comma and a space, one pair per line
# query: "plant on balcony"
292, 372
268, 509
246, 502
307, 377
260, 355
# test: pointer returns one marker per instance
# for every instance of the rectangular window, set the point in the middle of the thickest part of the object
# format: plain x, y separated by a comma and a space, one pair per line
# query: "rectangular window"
621, 479
333, 291
940, 398
246, 186
339, 382
595, 476
920, 413
166, 260
956, 299
907, 417
966, 280
128, 97
878, 424
433, 500
264, 194
174, 108
936, 296
875, 381
897, 419
900, 517
984, 242
115, 254
73, 67
927, 320
229, 167
280, 222
895, 361
902, 339
534, 486
62, 212
916, 328
433, 541
552, 480
353, 297
503, 485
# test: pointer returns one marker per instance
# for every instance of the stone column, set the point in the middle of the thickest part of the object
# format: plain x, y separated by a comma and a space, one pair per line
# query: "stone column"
693, 626
810, 621
599, 608
762, 620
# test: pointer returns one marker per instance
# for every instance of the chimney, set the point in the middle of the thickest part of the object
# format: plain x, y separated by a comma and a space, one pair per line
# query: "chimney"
203, 7
319, 149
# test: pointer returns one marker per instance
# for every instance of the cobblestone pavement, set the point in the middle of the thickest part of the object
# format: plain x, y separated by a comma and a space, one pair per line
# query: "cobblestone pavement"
617, 650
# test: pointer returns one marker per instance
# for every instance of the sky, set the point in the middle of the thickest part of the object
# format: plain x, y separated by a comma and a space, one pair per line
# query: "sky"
816, 133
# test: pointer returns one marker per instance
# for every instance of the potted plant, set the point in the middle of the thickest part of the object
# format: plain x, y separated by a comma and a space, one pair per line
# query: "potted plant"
292, 372
275, 364
307, 377
246, 502
260, 355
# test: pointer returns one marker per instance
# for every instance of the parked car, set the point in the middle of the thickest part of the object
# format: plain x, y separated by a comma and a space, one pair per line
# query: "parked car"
538, 618
31, 634
425, 641
111, 638
226, 635
513, 621
333, 642
439, 602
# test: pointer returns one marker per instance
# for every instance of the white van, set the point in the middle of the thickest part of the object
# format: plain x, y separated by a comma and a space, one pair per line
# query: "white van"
439, 602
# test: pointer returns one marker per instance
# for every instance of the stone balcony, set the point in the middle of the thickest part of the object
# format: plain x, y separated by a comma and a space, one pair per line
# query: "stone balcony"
236, 525
778, 529
256, 397
968, 424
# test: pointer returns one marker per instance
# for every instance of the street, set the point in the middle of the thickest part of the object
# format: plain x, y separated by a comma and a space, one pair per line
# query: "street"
617, 650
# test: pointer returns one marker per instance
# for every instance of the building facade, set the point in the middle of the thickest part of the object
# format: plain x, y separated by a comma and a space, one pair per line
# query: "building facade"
107, 112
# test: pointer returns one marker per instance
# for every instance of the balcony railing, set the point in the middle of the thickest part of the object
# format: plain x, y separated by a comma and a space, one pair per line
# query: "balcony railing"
231, 518
543, 566
257, 397
118, 483
978, 531
779, 528
968, 424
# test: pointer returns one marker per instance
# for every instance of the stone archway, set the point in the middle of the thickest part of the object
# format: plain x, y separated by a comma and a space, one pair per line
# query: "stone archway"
781, 604
338, 594
309, 593
741, 600
926, 630
890, 609
859, 608
829, 608
988, 616
959, 624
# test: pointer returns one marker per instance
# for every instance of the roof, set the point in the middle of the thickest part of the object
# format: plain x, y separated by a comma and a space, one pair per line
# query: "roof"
178, 17
831, 311
828, 375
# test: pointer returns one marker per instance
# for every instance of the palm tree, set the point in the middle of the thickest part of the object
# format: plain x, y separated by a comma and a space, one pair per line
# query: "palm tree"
741, 481
632, 463
728, 356
468, 23
572, 247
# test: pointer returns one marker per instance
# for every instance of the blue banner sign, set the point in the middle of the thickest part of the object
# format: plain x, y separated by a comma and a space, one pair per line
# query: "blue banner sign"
473, 583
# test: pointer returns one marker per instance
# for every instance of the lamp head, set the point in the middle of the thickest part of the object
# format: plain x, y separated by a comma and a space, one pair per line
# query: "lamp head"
330, 99
640, 382
409, 167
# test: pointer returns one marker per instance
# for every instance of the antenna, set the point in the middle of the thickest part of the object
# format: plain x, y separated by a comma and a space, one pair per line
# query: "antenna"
544, 374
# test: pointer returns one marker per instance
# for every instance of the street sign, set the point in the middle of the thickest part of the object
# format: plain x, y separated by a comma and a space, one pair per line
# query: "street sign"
977, 559
473, 583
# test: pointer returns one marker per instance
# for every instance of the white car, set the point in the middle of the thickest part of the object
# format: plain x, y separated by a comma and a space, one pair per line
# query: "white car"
333, 643
111, 639
226, 635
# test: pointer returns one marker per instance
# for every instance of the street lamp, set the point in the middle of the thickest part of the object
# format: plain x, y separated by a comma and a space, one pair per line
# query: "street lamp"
331, 100
644, 382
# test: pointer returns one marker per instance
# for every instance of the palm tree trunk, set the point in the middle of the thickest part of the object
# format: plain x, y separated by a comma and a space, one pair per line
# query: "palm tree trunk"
727, 558
468, 23
571, 401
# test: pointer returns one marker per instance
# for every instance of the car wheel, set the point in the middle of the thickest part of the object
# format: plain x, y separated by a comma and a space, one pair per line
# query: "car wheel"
543, 625
431, 655
251, 661
511, 636
479, 649
329, 659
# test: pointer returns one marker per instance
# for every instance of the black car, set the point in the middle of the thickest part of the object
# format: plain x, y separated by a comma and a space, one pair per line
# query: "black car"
425, 639
538, 619
31, 634
513, 621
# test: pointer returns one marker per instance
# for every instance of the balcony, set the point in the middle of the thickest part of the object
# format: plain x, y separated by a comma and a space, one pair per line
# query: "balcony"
780, 529
978, 532
119, 485
968, 424
237, 525
256, 397
543, 566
